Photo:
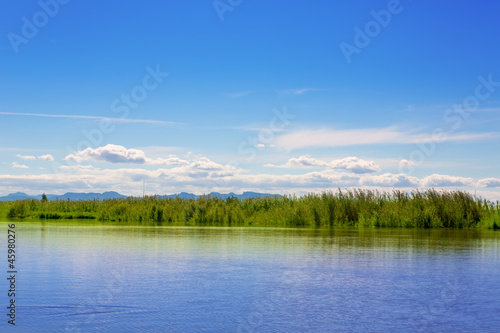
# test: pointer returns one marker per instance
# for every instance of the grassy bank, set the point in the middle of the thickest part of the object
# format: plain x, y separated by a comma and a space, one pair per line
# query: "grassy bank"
427, 209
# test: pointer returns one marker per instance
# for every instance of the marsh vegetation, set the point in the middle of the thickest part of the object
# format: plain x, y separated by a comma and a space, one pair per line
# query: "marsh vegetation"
419, 209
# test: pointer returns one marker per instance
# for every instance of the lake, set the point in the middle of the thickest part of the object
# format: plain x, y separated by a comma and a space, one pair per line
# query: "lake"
90, 277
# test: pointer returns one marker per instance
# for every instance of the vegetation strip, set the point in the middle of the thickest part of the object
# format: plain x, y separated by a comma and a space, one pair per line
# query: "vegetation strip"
364, 208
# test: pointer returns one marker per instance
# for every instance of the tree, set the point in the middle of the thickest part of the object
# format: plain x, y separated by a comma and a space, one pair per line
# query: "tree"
44, 198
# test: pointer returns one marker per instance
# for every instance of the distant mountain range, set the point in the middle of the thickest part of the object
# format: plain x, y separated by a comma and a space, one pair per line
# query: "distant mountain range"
69, 195
244, 195
116, 195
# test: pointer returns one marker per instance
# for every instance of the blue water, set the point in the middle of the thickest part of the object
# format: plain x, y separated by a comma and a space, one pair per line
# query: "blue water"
77, 277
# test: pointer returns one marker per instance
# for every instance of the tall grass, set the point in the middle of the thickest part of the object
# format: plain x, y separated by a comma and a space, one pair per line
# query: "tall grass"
419, 209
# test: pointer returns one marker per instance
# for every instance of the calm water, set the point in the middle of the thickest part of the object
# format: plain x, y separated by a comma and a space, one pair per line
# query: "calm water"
97, 278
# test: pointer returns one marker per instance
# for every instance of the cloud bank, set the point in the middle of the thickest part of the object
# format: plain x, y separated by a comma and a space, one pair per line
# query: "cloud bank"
200, 174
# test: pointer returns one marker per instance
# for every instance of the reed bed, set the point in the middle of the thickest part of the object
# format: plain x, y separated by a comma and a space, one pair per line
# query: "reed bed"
363, 208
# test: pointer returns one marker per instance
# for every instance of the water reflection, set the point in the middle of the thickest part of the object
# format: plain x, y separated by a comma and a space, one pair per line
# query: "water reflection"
89, 276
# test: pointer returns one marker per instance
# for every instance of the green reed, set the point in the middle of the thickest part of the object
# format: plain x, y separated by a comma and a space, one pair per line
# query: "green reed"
364, 208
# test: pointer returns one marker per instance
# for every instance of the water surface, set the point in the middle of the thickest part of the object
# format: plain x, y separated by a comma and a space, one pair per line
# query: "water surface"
91, 277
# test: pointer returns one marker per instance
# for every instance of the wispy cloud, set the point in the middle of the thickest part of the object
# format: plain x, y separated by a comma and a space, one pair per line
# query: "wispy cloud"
367, 136
335, 138
19, 166
497, 110
236, 94
26, 157
115, 120
302, 91
298, 91
46, 157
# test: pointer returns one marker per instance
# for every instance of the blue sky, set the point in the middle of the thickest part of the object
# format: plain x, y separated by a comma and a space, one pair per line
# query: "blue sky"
232, 95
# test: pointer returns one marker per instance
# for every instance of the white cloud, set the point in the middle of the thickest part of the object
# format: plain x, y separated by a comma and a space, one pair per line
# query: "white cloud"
198, 171
263, 145
436, 180
171, 160
390, 135
109, 153
304, 162
79, 168
119, 154
405, 164
202, 175
205, 176
489, 182
46, 157
488, 195
390, 180
355, 165
19, 166
352, 164
26, 157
